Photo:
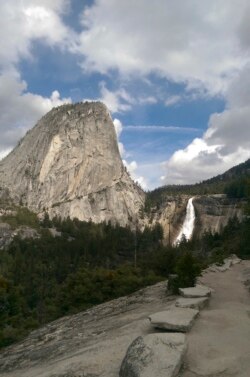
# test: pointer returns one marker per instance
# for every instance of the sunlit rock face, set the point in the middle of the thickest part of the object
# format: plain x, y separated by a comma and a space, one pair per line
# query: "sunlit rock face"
69, 165
214, 211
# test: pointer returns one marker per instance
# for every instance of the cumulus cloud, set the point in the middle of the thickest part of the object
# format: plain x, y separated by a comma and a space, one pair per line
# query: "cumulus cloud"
132, 166
116, 101
120, 100
203, 45
118, 130
22, 22
118, 127
198, 43
225, 143
20, 109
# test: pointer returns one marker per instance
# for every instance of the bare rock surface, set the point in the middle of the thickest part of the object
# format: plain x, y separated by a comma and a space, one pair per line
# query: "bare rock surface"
7, 233
219, 342
154, 355
69, 165
175, 319
214, 212
228, 262
192, 303
92, 343
195, 292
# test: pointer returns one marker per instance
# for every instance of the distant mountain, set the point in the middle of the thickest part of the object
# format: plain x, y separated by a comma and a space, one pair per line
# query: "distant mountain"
235, 172
69, 165
215, 185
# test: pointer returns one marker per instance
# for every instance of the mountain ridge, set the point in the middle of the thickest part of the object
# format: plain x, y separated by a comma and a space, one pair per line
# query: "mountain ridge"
69, 165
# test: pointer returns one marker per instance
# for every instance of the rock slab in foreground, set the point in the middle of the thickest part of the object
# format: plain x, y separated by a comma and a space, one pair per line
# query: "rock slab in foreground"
175, 319
197, 291
192, 303
154, 355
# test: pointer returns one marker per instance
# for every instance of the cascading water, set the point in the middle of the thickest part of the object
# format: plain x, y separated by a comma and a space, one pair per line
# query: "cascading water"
188, 225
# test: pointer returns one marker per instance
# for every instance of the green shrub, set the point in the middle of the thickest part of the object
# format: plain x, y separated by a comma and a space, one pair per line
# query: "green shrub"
187, 270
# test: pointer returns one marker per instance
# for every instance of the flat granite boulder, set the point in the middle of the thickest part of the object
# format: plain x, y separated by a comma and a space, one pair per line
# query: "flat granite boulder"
175, 319
192, 303
197, 291
228, 262
154, 355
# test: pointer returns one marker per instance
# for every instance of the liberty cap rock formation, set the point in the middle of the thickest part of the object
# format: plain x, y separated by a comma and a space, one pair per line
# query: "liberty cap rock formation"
69, 165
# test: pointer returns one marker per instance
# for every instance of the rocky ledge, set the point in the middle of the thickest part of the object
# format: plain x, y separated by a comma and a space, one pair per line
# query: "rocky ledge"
116, 337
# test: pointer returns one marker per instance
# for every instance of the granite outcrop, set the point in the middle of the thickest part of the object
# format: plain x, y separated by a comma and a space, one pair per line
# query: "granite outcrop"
69, 165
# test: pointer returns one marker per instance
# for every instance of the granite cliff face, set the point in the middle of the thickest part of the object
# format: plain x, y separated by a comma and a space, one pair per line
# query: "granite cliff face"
214, 211
69, 165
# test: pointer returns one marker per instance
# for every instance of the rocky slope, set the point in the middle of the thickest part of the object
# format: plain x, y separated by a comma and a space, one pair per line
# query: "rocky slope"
69, 165
93, 343
170, 214
89, 344
214, 211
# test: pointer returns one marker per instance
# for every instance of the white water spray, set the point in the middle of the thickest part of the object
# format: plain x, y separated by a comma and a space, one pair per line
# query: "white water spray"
188, 225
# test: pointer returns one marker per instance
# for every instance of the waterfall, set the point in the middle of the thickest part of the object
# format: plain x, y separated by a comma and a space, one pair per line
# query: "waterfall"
188, 225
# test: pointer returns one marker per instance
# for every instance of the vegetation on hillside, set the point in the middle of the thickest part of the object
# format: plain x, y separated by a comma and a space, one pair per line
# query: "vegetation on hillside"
86, 264
44, 279
217, 185
82, 264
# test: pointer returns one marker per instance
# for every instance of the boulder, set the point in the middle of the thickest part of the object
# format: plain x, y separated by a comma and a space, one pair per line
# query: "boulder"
192, 303
175, 319
234, 259
197, 291
225, 267
154, 355
227, 263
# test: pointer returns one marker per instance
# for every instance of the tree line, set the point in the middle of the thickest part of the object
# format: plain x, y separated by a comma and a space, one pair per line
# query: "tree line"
85, 264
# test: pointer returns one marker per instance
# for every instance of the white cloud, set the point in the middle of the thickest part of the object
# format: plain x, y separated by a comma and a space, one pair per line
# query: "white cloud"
225, 143
172, 100
198, 43
118, 127
205, 45
24, 21
118, 130
157, 128
147, 100
120, 100
4, 153
117, 101
19, 110
132, 168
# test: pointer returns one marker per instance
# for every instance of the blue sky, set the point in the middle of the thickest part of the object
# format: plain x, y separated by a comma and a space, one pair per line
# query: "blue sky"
174, 75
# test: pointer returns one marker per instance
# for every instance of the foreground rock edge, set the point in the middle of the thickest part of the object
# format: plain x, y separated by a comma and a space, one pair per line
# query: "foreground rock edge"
197, 303
154, 355
195, 292
175, 319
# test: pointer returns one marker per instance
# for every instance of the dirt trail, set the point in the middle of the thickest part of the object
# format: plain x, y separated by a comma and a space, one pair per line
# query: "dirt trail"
93, 343
219, 343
